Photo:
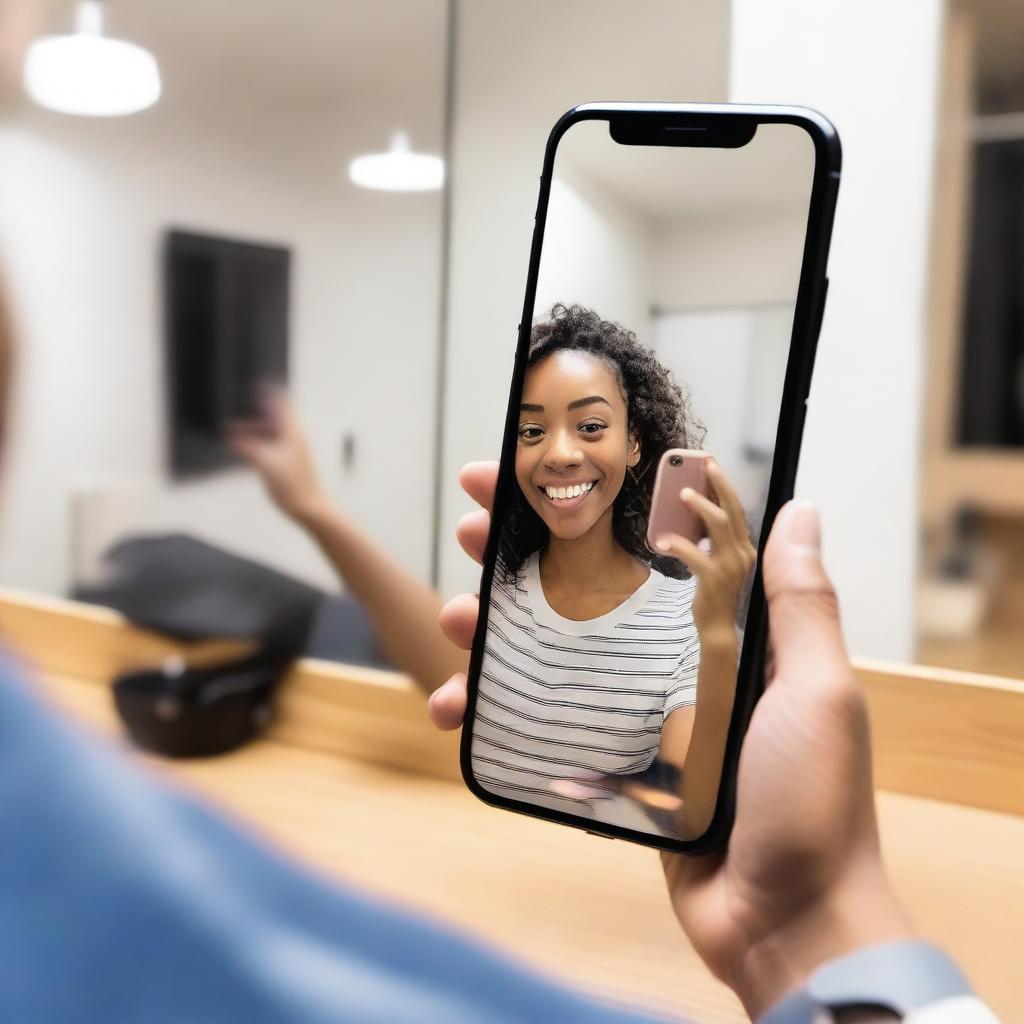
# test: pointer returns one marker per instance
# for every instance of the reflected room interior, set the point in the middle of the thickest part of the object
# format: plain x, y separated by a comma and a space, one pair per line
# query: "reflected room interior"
248, 231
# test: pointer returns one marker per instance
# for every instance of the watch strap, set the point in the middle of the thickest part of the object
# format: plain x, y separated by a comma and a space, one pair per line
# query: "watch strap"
957, 1010
899, 976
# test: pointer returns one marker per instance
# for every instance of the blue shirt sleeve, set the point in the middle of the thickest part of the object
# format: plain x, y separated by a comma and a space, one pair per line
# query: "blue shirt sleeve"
121, 900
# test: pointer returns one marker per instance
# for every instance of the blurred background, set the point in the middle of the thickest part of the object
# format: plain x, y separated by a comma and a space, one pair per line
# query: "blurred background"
222, 234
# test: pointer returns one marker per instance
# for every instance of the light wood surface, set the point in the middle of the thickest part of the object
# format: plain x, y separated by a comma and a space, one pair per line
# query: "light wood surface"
324, 705
946, 735
336, 785
997, 646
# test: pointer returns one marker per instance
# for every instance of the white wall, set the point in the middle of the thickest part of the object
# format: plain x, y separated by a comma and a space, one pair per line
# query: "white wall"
709, 352
518, 68
721, 260
733, 364
82, 209
597, 253
872, 67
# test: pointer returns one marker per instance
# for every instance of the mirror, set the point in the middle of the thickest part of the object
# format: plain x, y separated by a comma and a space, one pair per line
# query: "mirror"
662, 322
136, 352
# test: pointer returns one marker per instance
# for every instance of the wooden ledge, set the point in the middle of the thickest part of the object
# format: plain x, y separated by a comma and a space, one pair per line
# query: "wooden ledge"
350, 710
945, 734
937, 733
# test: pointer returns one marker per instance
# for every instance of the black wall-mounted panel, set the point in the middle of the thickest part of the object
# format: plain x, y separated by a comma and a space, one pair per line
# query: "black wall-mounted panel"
226, 337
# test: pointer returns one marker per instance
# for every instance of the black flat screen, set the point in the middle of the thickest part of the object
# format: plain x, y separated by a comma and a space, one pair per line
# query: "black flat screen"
226, 306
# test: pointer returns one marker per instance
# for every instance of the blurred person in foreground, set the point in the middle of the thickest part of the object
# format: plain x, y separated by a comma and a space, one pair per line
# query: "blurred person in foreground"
124, 900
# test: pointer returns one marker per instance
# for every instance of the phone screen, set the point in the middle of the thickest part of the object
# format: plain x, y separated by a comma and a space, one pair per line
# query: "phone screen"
661, 319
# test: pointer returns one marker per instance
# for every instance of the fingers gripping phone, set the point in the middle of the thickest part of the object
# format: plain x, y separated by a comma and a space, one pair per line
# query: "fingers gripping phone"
674, 293
677, 469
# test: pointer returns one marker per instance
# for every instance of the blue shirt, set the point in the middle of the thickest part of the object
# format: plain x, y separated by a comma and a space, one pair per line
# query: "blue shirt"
122, 900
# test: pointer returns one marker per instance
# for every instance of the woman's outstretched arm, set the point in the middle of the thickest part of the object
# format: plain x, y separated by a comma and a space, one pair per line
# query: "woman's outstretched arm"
404, 610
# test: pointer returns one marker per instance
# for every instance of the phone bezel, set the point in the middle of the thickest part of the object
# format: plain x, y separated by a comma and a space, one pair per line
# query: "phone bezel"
701, 123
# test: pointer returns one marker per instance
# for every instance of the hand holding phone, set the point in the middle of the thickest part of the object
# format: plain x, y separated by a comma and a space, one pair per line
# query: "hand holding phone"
796, 837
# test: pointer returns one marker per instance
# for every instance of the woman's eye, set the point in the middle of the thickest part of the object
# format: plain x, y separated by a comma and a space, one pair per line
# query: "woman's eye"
529, 433
592, 428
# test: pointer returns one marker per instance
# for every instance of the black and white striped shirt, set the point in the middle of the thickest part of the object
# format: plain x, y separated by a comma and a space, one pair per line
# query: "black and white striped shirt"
560, 698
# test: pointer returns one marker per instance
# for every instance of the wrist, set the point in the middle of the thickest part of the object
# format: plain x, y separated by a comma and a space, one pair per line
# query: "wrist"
313, 511
717, 636
851, 916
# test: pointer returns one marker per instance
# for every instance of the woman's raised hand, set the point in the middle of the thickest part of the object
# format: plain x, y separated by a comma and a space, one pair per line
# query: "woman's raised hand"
802, 879
723, 570
275, 445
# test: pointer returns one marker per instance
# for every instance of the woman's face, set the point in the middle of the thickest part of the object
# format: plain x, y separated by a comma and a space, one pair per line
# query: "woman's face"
574, 442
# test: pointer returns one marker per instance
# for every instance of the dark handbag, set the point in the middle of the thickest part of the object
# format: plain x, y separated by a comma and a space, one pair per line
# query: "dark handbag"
187, 589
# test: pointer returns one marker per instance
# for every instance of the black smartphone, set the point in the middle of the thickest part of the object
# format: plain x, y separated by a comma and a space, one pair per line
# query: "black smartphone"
676, 286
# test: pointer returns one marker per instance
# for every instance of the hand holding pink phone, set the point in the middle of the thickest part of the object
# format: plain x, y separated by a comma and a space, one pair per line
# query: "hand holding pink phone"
677, 469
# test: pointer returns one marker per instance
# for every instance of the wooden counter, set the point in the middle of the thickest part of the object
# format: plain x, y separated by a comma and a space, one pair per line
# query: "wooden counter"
353, 782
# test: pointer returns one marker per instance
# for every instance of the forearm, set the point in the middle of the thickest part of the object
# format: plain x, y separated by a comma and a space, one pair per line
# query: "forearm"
716, 691
404, 611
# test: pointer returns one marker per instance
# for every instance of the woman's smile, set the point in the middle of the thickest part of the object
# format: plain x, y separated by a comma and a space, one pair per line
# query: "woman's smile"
567, 496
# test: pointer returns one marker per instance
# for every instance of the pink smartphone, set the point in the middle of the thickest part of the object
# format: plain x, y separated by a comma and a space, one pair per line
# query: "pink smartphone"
677, 469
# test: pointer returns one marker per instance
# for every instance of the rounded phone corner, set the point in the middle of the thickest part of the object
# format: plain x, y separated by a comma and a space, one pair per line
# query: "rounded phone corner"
574, 114
474, 786
824, 135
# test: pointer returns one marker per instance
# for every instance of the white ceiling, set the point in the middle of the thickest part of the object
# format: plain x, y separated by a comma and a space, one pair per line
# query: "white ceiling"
770, 175
309, 60
360, 69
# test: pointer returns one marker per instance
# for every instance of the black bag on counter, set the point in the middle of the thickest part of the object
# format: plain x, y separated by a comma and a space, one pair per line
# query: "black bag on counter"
189, 590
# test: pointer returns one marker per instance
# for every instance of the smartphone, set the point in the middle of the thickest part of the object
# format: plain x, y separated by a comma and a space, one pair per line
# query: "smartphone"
674, 293
677, 468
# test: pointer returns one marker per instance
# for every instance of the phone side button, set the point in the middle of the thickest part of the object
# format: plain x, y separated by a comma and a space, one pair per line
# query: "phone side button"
599, 835
821, 309
816, 332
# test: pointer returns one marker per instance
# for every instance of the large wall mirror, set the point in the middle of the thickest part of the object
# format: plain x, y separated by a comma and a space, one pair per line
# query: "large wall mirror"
162, 262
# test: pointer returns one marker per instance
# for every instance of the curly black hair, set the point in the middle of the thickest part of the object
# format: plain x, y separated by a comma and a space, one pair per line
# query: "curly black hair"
658, 412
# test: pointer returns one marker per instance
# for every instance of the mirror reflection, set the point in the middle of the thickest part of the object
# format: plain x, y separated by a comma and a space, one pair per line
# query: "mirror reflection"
229, 300
645, 441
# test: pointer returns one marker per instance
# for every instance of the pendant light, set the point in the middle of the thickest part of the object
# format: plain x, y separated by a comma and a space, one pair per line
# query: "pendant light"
88, 73
399, 169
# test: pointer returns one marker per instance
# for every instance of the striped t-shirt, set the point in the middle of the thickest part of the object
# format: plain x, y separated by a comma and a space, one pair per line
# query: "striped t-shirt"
560, 698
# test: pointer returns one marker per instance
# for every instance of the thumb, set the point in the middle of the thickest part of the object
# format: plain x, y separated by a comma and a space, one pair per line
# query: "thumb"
803, 613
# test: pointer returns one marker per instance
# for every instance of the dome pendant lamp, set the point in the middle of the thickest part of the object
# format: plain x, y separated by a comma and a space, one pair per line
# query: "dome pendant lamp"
399, 169
88, 73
